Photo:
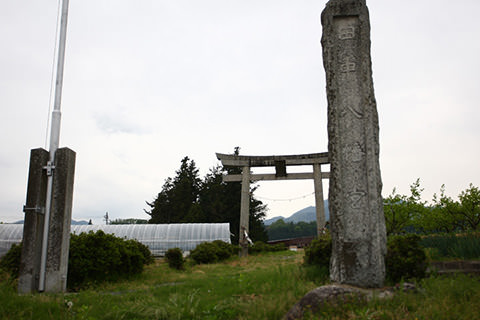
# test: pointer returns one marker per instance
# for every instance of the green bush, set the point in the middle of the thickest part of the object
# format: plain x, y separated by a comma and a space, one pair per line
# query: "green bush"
210, 252
405, 258
93, 257
146, 253
319, 252
10, 262
204, 253
224, 250
175, 258
259, 247
97, 257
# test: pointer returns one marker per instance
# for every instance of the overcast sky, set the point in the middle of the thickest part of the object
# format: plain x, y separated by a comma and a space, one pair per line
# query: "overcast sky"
149, 82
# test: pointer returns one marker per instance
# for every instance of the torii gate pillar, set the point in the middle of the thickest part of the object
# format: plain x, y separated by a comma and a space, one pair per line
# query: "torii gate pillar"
244, 212
319, 201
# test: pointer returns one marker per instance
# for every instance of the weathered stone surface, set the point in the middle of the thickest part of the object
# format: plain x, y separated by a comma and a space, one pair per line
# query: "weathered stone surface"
60, 221
356, 209
334, 294
33, 222
59, 226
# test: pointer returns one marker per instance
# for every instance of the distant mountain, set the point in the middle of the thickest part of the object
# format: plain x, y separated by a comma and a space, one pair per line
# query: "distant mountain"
81, 222
307, 215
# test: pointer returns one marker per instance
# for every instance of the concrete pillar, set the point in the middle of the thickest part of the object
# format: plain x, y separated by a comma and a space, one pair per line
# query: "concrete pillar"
357, 222
244, 211
60, 221
319, 202
33, 222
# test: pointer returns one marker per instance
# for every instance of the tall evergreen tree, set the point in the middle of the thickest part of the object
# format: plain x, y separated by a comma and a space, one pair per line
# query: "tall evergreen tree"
173, 204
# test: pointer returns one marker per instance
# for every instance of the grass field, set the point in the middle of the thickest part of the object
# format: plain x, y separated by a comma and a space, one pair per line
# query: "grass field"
260, 287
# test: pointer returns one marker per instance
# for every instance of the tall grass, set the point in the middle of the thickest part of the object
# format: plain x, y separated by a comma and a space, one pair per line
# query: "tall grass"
448, 246
261, 287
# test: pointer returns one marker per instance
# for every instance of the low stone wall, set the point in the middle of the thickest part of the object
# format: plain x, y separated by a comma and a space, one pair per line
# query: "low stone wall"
298, 242
460, 266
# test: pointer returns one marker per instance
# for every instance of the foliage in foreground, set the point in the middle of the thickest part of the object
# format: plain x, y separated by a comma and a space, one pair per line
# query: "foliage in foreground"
260, 287
211, 252
10, 262
262, 247
319, 252
175, 259
93, 257
263, 286
97, 257
405, 256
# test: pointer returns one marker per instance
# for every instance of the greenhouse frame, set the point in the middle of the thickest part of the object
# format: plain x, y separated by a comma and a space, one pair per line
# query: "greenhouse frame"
157, 237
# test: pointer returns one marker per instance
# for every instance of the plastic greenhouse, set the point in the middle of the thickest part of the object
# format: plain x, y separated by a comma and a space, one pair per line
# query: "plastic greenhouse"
158, 237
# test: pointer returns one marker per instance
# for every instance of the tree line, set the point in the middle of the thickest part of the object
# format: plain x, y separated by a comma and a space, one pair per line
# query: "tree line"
287, 230
408, 213
189, 198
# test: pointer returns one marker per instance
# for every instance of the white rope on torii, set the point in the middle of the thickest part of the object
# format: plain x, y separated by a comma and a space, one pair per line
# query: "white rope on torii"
280, 163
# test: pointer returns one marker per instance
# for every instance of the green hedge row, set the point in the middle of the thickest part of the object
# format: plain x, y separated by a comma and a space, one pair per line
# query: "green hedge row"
94, 257
405, 256
216, 251
97, 257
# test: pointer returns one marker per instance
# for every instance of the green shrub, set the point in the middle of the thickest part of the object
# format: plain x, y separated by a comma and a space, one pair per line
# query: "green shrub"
405, 258
210, 252
259, 247
146, 253
224, 250
93, 257
204, 253
319, 252
10, 262
175, 258
97, 257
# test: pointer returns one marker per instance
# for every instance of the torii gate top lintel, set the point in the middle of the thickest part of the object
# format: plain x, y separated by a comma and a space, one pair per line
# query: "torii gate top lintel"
231, 160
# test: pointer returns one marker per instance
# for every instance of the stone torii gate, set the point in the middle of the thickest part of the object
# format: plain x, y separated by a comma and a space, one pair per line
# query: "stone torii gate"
280, 163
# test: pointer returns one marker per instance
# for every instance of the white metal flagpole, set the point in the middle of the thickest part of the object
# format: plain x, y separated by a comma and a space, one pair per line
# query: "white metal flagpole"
54, 140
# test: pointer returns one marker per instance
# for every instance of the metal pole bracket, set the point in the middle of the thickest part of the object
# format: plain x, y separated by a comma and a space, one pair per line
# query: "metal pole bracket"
39, 210
49, 167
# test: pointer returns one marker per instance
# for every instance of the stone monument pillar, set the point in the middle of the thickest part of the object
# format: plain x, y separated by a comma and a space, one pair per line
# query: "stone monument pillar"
356, 205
